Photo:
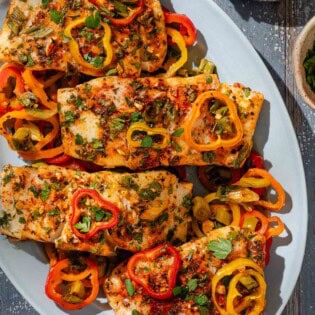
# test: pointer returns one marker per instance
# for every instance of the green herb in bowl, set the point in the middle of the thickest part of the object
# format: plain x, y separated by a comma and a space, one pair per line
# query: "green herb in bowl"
309, 66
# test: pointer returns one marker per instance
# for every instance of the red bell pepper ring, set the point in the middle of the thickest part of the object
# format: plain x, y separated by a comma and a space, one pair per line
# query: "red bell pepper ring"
127, 20
186, 26
11, 71
56, 276
256, 160
152, 255
61, 159
96, 226
74, 165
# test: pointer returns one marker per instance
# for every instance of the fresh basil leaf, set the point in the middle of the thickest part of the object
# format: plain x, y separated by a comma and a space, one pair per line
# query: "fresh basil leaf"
220, 248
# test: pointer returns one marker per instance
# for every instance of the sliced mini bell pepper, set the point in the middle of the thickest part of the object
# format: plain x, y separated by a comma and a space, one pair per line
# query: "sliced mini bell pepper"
95, 226
61, 159
37, 151
143, 127
246, 221
133, 13
67, 300
75, 50
186, 26
151, 255
274, 231
261, 173
7, 73
231, 269
38, 89
258, 297
218, 142
179, 40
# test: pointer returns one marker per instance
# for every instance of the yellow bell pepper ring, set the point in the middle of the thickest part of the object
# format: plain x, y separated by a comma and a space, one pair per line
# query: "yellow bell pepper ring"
261, 173
258, 296
179, 40
75, 50
149, 132
239, 264
219, 142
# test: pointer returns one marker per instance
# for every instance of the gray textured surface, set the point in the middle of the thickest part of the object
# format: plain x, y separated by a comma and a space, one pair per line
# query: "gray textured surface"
272, 28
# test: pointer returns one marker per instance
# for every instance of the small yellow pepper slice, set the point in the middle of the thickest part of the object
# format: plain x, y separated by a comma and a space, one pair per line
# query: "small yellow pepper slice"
201, 209
139, 126
261, 173
229, 269
236, 212
37, 153
258, 296
195, 114
75, 50
179, 40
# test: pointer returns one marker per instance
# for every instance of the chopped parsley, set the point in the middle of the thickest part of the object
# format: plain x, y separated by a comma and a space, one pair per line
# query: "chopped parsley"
94, 20
84, 225
78, 139
147, 142
22, 220
44, 193
220, 248
54, 212
130, 288
57, 17
178, 132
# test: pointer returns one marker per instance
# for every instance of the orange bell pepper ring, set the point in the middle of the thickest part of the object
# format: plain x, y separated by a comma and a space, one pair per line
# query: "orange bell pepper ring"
57, 276
256, 172
218, 142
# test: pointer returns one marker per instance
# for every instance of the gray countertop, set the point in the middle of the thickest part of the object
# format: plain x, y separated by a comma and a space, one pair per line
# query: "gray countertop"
272, 28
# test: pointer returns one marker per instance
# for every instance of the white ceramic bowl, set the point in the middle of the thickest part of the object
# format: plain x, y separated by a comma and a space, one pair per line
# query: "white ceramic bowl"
304, 42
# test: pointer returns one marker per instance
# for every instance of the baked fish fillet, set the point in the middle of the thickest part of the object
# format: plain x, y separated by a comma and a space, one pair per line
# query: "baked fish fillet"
96, 117
36, 205
197, 262
33, 34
